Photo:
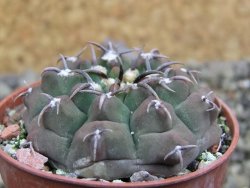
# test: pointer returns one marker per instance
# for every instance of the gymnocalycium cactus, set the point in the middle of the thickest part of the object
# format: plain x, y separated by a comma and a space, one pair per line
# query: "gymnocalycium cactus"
121, 113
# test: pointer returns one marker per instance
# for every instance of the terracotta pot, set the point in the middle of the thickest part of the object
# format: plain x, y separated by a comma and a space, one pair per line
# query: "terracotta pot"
16, 174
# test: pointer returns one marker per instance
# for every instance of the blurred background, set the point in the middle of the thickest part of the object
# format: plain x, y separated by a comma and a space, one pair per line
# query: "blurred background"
212, 36
33, 32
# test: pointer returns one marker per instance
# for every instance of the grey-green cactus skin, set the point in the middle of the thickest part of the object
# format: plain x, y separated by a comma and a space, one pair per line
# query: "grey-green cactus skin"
116, 115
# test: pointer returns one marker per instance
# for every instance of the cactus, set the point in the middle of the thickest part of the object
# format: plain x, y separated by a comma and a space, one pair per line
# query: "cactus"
124, 112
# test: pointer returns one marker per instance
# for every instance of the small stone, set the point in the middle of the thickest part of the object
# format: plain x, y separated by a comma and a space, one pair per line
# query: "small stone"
218, 154
10, 132
207, 156
23, 142
71, 175
11, 112
16, 115
203, 164
213, 149
142, 176
210, 157
31, 158
60, 172
10, 149
46, 168
117, 181
183, 172
101, 180
193, 165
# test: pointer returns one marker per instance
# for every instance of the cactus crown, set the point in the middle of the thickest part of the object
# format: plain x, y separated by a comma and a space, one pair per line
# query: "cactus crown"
121, 113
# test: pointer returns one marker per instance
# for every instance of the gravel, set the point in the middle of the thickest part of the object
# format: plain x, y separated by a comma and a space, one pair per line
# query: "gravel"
229, 80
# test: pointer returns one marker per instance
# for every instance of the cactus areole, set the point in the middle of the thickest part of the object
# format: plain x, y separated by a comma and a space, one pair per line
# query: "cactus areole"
120, 113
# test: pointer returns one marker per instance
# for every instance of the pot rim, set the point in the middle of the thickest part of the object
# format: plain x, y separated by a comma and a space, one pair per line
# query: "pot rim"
234, 127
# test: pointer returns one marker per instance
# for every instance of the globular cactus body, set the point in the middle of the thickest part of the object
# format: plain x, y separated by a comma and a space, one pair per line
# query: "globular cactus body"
117, 115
